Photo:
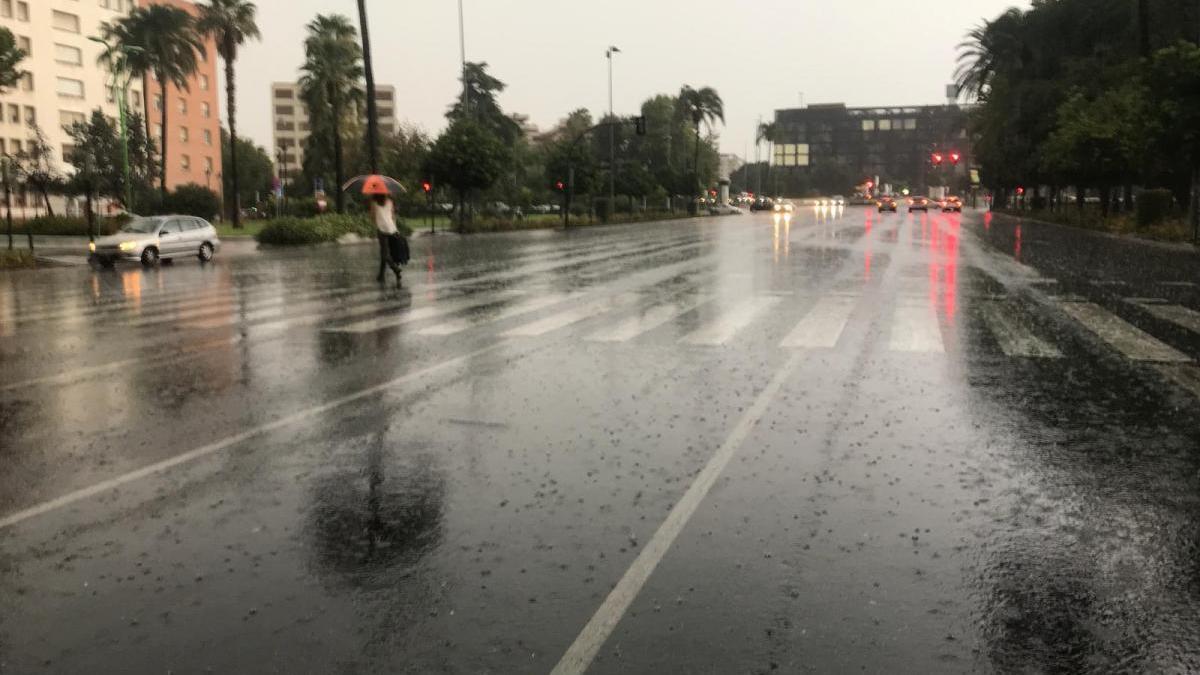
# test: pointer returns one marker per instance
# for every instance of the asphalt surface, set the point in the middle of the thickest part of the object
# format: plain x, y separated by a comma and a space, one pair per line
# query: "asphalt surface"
840, 441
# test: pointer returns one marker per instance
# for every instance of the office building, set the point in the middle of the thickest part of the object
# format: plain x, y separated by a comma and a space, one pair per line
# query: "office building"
292, 128
194, 117
63, 83
831, 148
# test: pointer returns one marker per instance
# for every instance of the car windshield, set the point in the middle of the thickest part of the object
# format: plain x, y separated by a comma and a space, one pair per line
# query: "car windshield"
142, 225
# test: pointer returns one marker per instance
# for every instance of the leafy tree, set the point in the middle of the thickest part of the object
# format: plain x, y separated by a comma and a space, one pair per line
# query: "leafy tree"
166, 45
254, 170
10, 60
96, 155
331, 87
702, 106
193, 200
479, 103
466, 157
36, 167
1173, 92
230, 23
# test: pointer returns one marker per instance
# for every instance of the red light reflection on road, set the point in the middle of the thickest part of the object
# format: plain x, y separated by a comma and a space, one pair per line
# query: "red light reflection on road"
868, 222
943, 268
1017, 246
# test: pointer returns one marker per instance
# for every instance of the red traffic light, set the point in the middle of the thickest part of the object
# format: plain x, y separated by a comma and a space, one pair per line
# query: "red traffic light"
558, 185
954, 157
1020, 191
870, 184
937, 158
427, 186
713, 193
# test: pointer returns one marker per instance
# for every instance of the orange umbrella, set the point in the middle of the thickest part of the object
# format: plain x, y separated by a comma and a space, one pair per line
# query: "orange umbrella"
374, 185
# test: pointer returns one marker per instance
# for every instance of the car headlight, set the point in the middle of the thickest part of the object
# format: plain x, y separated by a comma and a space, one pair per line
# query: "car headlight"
92, 246
127, 245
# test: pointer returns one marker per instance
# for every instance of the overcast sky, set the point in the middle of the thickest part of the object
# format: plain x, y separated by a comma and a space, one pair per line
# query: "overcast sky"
760, 55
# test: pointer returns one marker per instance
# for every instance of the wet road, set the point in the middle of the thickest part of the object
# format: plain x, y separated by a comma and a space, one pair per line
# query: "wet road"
842, 441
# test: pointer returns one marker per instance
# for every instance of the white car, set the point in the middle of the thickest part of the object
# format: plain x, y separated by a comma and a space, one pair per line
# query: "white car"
156, 238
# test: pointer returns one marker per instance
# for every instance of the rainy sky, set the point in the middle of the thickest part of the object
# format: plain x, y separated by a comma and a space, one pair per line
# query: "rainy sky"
759, 54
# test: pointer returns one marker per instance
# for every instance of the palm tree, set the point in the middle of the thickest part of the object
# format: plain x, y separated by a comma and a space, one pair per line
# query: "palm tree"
332, 73
369, 70
993, 48
767, 132
167, 44
230, 23
702, 105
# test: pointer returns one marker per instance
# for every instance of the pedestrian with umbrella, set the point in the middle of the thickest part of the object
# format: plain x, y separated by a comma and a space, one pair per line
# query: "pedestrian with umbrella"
393, 247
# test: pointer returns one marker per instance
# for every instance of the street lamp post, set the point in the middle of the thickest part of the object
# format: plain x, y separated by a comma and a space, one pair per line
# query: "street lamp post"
119, 66
612, 138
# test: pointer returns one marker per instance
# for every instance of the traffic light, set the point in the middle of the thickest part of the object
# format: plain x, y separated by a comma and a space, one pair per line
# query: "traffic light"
870, 184
558, 185
640, 124
954, 157
427, 186
937, 159
1020, 191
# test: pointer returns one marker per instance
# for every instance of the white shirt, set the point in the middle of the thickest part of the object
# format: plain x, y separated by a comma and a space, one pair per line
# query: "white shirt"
382, 217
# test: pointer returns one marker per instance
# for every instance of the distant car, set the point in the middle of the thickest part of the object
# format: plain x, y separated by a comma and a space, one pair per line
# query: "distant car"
918, 204
784, 206
762, 204
952, 204
886, 204
150, 240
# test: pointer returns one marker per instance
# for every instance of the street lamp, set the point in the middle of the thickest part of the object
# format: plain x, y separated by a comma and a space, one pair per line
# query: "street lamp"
612, 137
117, 66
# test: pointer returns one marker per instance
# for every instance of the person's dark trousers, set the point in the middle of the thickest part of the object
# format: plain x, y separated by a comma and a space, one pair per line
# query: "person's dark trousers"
385, 257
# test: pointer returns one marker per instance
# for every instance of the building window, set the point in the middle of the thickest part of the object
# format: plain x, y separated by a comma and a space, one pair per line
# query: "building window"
136, 98
386, 112
885, 125
23, 12
6, 8
208, 165
205, 110
284, 93
25, 45
62, 21
185, 162
208, 137
203, 83
104, 4
791, 154
27, 82
285, 126
158, 133
69, 87
30, 115
183, 134
158, 102
285, 110
868, 125
910, 124
68, 55
183, 106
68, 149
14, 113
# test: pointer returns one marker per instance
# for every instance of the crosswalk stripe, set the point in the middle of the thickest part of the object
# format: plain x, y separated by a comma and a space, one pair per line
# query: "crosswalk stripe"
1177, 314
722, 330
1131, 341
646, 321
1014, 336
915, 329
420, 314
456, 326
822, 326
570, 316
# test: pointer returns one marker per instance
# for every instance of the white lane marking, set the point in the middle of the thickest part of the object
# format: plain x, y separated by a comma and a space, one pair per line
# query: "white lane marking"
1183, 316
822, 327
214, 311
726, 326
440, 309
1186, 376
581, 652
646, 321
1127, 339
459, 325
915, 329
570, 316
1016, 337
230, 441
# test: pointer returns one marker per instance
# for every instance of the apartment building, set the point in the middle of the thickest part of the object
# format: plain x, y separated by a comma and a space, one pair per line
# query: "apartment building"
291, 129
194, 117
63, 83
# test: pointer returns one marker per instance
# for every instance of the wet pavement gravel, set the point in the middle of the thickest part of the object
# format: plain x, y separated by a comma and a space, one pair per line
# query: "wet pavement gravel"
840, 441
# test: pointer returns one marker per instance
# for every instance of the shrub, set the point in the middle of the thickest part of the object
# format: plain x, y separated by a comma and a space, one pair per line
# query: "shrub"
1153, 207
68, 226
291, 231
193, 200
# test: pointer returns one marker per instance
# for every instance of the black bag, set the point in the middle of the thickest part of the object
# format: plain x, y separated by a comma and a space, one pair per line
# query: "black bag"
398, 248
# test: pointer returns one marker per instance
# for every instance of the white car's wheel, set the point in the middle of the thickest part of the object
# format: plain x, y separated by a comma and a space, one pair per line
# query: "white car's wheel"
206, 252
150, 256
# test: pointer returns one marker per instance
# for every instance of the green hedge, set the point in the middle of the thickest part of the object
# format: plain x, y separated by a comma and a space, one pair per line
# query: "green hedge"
319, 230
67, 226
1153, 207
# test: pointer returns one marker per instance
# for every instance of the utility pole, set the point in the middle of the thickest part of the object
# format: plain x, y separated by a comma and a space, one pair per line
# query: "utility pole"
462, 54
612, 138
369, 72
7, 200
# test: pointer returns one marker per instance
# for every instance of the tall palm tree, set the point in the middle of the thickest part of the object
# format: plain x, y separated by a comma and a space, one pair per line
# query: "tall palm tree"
993, 48
230, 23
332, 73
702, 105
767, 132
168, 46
